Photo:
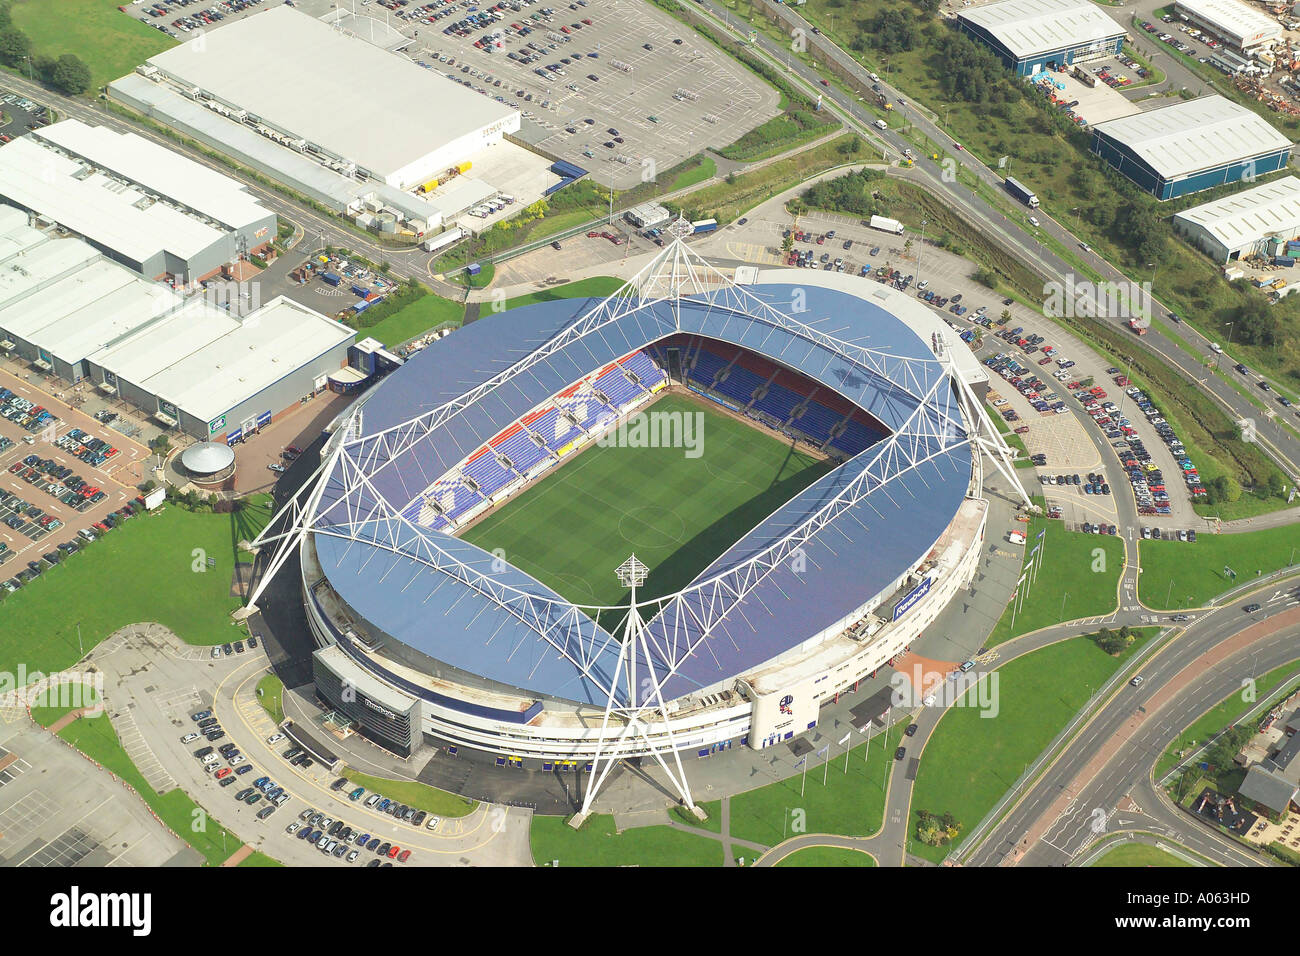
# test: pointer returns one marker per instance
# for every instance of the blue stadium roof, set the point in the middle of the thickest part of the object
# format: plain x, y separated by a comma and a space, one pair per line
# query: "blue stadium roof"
861, 554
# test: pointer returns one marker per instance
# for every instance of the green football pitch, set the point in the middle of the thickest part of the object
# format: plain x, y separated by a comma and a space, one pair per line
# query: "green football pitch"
576, 525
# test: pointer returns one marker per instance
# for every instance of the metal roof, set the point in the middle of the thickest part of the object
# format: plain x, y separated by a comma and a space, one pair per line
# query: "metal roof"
159, 170
108, 211
208, 457
251, 354
857, 557
1231, 19
1030, 27
356, 100
1194, 135
295, 169
1272, 209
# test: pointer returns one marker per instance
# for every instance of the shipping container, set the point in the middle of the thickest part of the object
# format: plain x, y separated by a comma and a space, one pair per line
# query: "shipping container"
704, 225
330, 278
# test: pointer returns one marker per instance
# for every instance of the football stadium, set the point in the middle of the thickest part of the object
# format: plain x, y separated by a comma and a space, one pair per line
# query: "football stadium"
681, 518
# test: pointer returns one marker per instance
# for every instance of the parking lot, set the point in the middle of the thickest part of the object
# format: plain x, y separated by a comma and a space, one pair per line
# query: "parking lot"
186, 19
23, 116
157, 686
1061, 437
57, 490
98, 822
607, 86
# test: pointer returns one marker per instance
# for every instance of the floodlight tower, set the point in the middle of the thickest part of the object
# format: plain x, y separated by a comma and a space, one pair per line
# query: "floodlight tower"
643, 708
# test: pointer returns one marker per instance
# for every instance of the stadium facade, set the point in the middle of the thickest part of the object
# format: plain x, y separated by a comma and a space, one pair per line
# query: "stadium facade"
423, 636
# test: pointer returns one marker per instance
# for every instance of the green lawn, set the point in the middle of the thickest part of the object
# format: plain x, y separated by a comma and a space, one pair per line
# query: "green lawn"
828, 856
110, 42
152, 568
851, 803
597, 844
971, 760
675, 512
418, 795
594, 287
1068, 585
270, 694
1138, 854
1177, 574
1220, 716
420, 316
96, 738
707, 169
258, 858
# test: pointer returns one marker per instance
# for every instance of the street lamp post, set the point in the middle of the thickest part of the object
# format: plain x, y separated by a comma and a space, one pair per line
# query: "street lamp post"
920, 251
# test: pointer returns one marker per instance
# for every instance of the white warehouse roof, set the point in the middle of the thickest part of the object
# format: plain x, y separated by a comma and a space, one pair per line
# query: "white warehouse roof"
294, 72
241, 357
1030, 27
1272, 209
160, 170
64, 297
1194, 135
1232, 19
104, 209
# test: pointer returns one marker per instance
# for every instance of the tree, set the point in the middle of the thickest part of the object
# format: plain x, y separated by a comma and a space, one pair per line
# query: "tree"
14, 46
787, 243
986, 277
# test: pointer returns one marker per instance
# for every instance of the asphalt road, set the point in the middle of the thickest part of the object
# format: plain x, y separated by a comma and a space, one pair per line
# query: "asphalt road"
1093, 810
1281, 445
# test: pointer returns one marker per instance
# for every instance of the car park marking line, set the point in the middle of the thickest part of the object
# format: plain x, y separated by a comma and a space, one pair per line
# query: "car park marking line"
21, 820
141, 754
329, 797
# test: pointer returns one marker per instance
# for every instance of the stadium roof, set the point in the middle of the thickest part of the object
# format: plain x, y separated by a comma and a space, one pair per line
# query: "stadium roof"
858, 556
1193, 135
375, 108
160, 170
1232, 19
1030, 27
1272, 209
109, 212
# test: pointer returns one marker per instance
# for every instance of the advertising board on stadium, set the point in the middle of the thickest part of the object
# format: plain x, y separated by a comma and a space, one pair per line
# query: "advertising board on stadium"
914, 595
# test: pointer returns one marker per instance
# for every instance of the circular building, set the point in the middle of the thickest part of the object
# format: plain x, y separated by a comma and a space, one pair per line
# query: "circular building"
679, 519
209, 464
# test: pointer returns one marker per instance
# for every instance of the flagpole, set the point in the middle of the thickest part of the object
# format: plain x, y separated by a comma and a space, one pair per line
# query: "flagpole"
826, 765
805, 776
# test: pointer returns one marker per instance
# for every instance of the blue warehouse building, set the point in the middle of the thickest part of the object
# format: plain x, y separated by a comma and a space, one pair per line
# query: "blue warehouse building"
1028, 35
1191, 146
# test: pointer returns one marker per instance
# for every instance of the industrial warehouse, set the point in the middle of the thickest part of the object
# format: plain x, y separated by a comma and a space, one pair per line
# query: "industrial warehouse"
267, 91
1257, 221
282, 67
189, 364
1191, 146
153, 210
1240, 26
1027, 35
